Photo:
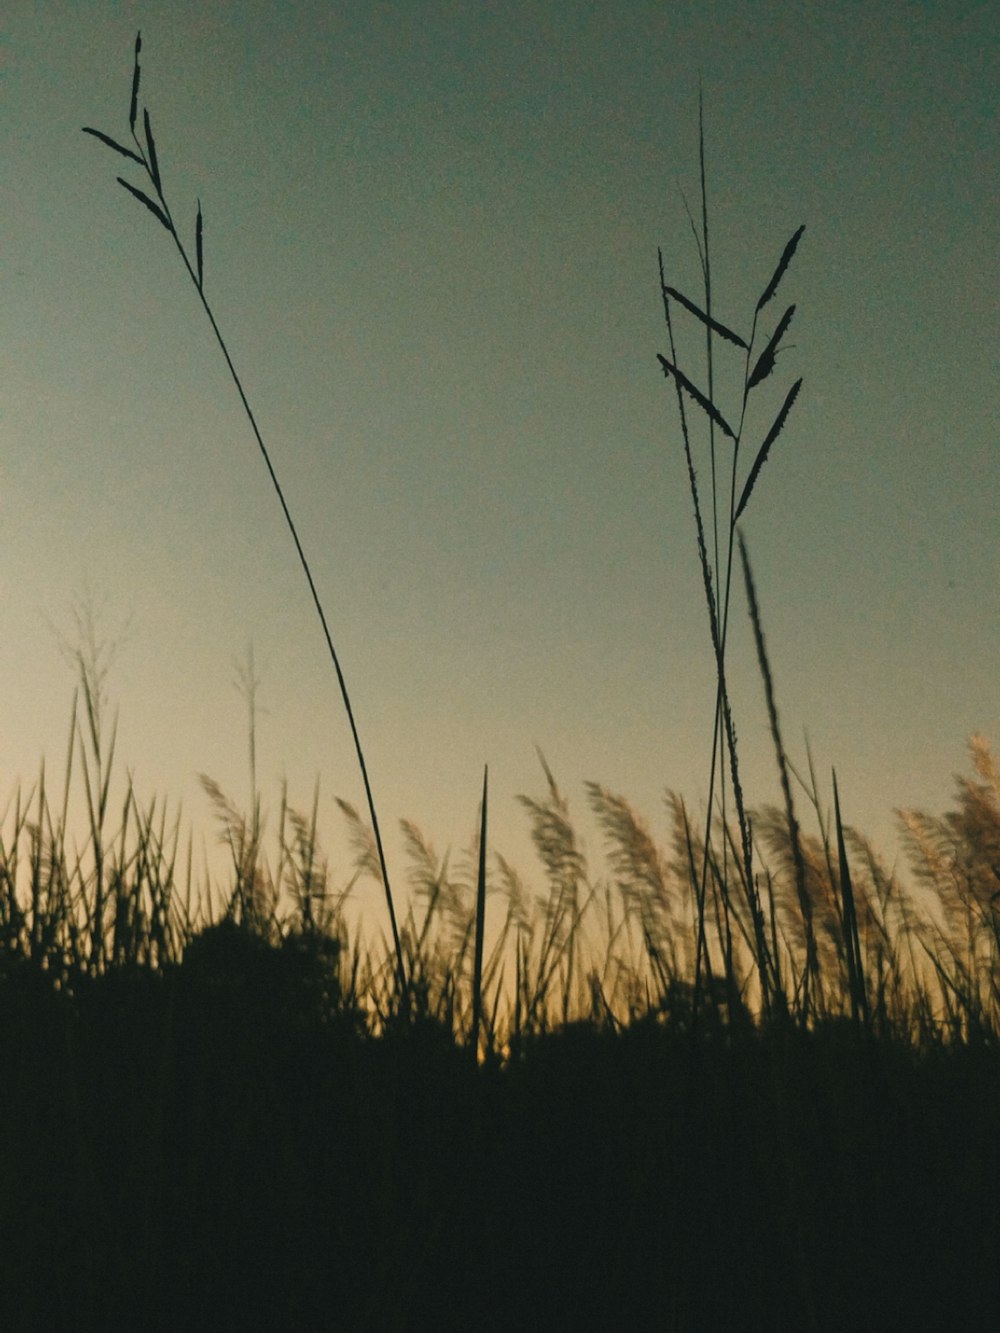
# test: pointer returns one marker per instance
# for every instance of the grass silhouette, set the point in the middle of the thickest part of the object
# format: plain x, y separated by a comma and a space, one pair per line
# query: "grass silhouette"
144, 155
746, 1080
227, 1119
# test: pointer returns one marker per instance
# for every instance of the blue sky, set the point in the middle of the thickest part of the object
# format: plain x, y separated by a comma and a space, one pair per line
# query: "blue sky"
431, 235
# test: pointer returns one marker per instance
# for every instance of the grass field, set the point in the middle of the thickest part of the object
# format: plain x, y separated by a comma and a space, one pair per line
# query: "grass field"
236, 1118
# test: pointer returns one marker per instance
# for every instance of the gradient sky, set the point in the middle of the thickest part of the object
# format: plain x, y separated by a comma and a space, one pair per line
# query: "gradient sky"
430, 235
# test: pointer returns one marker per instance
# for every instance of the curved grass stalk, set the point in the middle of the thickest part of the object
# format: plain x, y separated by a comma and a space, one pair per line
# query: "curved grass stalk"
144, 155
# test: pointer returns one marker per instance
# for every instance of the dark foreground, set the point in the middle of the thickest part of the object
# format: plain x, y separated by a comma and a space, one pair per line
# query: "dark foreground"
177, 1153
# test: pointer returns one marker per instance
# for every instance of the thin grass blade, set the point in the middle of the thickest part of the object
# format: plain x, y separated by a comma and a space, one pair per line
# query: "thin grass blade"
707, 320
810, 974
198, 229
111, 143
766, 360
477, 966
155, 209
779, 272
704, 403
134, 107
765, 448
154, 169
852, 939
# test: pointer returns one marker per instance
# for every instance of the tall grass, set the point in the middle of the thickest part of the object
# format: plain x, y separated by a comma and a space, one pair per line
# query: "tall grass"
143, 154
607, 944
214, 1100
728, 500
712, 919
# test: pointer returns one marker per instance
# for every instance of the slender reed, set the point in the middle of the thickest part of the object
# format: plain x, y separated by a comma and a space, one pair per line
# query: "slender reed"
717, 583
477, 965
852, 940
145, 156
805, 904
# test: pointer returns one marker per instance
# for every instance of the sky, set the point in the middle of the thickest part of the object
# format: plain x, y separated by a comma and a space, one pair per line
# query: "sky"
431, 239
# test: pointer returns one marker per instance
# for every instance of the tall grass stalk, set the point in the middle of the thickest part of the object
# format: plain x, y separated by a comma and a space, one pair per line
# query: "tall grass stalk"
608, 946
811, 975
717, 569
144, 155
477, 966
852, 941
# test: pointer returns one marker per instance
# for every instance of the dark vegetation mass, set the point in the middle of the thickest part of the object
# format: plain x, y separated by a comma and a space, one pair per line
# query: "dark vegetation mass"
236, 1118
745, 1080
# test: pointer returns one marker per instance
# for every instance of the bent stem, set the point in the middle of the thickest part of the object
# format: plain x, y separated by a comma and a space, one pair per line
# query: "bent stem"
145, 156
